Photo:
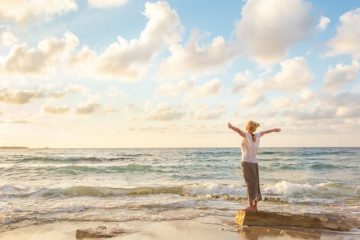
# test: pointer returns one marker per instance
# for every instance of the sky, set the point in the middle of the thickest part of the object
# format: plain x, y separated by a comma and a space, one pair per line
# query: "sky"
134, 73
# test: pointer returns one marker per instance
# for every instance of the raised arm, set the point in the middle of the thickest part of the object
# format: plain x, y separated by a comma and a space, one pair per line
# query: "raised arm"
262, 133
238, 130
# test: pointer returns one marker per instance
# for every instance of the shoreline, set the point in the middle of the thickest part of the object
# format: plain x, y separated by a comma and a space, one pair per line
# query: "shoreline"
199, 228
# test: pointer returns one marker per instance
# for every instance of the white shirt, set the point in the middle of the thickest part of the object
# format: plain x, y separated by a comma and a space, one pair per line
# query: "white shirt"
249, 148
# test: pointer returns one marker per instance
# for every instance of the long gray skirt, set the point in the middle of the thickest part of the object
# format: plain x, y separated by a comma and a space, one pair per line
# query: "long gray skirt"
251, 175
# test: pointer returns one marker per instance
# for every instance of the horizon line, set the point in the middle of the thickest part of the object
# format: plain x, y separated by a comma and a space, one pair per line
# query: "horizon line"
24, 147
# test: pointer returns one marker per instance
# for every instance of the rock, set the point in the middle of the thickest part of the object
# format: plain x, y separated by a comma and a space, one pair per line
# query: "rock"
279, 219
99, 232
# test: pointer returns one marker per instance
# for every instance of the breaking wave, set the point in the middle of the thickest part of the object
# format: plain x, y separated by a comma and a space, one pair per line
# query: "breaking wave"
278, 192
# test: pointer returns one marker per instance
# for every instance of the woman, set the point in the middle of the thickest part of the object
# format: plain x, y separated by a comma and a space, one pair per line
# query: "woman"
249, 165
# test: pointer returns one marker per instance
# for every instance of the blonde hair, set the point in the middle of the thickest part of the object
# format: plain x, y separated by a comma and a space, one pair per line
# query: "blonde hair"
251, 126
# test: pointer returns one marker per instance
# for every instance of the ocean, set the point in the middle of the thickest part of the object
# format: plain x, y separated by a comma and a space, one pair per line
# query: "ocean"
116, 185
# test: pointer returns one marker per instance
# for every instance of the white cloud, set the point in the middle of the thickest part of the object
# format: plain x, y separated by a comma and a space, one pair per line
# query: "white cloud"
173, 89
109, 109
323, 23
295, 74
267, 28
205, 128
252, 100
347, 36
14, 121
204, 112
23, 10
281, 103
50, 109
348, 112
88, 108
7, 38
106, 3
241, 81
195, 58
123, 59
252, 87
209, 88
317, 112
307, 95
15, 96
164, 112
306, 109
261, 32
19, 96
77, 88
304, 99
70, 89
342, 99
46, 56
157, 129
302, 111
82, 59
337, 76
113, 92
129, 60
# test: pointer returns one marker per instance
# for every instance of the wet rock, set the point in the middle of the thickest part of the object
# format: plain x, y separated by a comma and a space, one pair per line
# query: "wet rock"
280, 219
98, 232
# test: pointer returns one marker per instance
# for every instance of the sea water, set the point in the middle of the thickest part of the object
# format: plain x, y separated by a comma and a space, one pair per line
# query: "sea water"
47, 185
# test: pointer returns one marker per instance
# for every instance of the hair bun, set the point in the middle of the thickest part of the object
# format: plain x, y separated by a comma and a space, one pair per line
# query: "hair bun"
257, 124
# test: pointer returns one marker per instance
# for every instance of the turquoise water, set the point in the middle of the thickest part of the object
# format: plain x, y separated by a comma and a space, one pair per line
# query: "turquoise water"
45, 185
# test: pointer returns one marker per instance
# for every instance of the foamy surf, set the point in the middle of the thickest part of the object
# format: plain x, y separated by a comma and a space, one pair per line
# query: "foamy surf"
280, 191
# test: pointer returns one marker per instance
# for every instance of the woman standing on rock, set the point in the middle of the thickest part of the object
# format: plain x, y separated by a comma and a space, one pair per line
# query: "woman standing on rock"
249, 164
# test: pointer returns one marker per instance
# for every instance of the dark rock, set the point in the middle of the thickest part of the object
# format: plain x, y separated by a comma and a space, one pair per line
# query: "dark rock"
99, 232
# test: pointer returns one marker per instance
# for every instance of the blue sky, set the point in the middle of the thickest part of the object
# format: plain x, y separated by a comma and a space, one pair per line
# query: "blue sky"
180, 72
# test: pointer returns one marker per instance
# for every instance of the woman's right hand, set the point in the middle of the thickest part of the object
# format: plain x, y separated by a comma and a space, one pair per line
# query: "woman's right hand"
229, 125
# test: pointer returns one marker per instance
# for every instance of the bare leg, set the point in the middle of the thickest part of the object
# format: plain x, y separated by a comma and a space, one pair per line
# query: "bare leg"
255, 206
251, 206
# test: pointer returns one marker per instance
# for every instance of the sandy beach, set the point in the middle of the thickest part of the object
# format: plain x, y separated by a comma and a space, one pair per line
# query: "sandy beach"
196, 229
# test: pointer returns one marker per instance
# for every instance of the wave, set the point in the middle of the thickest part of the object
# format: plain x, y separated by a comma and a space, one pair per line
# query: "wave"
207, 191
72, 159
268, 153
78, 169
9, 189
279, 192
129, 168
92, 191
188, 171
76, 191
329, 190
64, 158
288, 188
322, 166
314, 166
291, 166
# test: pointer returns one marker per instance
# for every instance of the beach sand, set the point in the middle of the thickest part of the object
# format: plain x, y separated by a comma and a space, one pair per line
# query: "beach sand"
201, 228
